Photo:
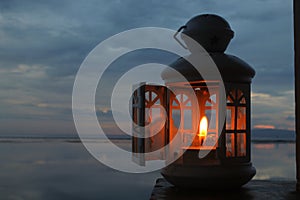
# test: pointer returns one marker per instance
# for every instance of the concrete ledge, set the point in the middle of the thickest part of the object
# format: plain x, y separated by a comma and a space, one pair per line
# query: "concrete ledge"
255, 189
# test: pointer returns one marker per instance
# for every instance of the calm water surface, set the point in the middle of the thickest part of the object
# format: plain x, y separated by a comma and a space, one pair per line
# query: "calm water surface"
274, 160
65, 170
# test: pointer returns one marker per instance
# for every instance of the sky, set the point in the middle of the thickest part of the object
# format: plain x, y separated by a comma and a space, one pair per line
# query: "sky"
43, 43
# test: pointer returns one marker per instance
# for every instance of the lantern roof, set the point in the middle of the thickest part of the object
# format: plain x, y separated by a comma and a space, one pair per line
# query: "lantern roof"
211, 31
231, 68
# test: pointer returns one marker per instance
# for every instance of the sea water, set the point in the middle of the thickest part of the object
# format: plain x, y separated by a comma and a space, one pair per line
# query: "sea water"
63, 169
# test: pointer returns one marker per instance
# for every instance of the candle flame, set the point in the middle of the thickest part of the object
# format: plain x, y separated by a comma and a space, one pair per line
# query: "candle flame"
203, 128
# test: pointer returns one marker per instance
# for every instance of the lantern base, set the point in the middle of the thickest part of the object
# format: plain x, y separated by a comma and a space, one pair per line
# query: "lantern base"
209, 177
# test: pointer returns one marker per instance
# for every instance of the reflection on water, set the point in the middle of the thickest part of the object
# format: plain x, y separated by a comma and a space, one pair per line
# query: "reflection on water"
274, 160
65, 170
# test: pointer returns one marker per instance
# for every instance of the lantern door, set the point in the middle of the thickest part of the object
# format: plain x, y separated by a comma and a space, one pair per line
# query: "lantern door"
149, 113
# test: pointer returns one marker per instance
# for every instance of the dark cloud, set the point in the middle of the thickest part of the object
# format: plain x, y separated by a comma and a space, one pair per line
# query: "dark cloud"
273, 82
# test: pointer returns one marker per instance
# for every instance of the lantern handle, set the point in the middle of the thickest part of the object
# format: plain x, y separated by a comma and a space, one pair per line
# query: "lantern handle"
175, 37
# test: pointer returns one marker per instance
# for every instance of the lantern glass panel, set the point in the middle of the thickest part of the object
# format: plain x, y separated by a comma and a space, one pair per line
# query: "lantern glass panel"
230, 146
243, 100
230, 118
175, 118
181, 117
211, 116
232, 96
241, 118
187, 119
229, 99
241, 144
239, 95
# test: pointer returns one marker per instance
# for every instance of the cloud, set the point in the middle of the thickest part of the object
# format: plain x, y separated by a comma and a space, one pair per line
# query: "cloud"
274, 110
43, 44
27, 71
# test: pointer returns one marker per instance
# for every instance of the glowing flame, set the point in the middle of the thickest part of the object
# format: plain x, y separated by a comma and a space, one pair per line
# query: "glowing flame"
203, 129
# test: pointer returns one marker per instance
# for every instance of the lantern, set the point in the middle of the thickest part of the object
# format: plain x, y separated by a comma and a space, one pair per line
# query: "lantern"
207, 152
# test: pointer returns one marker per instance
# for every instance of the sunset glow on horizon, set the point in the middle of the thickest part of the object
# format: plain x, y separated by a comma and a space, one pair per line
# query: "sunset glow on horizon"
263, 126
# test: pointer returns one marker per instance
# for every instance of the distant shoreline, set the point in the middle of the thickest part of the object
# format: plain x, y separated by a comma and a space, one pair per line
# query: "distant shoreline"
272, 141
257, 136
78, 140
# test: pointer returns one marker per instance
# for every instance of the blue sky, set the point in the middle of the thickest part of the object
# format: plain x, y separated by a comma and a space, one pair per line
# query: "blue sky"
43, 44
